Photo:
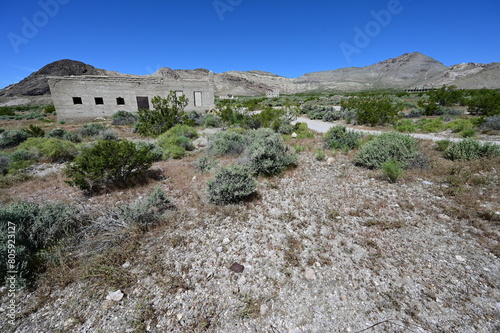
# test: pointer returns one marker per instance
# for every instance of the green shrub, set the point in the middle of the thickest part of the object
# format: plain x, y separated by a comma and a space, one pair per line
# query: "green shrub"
393, 170
35, 131
231, 184
338, 137
174, 146
5, 161
212, 120
60, 133
166, 113
49, 109
182, 130
206, 164
460, 125
388, 146
431, 125
88, 130
405, 126
37, 227
268, 153
468, 133
108, 163
107, 134
319, 154
470, 149
373, 110
442, 145
303, 131
155, 149
51, 149
123, 118
12, 138
226, 143
491, 123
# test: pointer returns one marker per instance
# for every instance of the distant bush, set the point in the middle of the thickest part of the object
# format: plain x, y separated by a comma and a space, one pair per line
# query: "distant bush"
226, 143
182, 130
231, 184
442, 145
459, 125
338, 137
435, 125
491, 123
62, 134
106, 163
37, 227
154, 148
206, 164
123, 118
268, 153
405, 126
51, 149
49, 109
35, 131
196, 117
386, 147
415, 113
319, 154
177, 140
393, 170
212, 120
107, 134
5, 161
470, 149
468, 133
12, 138
302, 131
88, 130
374, 110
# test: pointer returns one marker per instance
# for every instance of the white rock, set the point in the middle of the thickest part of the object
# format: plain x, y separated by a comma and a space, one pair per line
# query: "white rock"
263, 309
310, 275
115, 296
179, 316
460, 258
444, 217
294, 135
126, 264
242, 280
219, 249
330, 160
226, 241
425, 182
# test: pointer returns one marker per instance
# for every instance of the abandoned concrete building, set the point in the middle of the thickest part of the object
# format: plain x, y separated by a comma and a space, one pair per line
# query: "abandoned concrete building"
84, 98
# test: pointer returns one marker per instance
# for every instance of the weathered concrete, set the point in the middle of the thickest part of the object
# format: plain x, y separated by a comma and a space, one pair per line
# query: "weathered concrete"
110, 91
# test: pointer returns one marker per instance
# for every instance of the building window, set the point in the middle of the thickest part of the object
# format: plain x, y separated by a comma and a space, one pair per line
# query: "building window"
120, 101
198, 101
142, 102
77, 100
99, 101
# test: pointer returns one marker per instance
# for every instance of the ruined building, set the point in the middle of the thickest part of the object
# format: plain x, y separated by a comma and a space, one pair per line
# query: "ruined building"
84, 98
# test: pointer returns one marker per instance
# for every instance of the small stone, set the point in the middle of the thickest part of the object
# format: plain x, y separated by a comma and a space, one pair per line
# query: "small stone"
237, 268
310, 275
194, 178
444, 217
330, 160
460, 258
263, 309
425, 182
179, 316
242, 280
226, 241
115, 296
219, 249
126, 264
294, 135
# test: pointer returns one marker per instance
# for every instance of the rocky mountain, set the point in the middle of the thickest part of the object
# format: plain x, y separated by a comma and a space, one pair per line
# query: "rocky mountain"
410, 70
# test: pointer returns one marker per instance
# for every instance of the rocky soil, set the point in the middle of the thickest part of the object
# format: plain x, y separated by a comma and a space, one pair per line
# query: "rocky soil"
326, 247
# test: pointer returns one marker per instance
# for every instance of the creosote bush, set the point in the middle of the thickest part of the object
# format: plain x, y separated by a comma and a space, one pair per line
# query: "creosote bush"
108, 163
177, 140
231, 184
338, 137
123, 118
12, 138
50, 149
226, 143
470, 149
386, 147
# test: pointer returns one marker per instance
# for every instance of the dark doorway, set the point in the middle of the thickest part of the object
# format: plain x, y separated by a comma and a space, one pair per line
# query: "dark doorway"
142, 103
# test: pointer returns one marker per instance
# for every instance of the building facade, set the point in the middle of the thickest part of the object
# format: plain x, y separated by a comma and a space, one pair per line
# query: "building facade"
84, 98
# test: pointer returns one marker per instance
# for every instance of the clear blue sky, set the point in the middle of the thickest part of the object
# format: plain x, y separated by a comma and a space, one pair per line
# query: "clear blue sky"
288, 38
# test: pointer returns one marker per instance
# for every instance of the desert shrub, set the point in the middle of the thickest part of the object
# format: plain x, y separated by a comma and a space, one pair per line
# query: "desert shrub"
470, 149
332, 115
212, 120
226, 143
302, 131
374, 110
49, 109
415, 113
166, 113
392, 169
339, 137
484, 102
405, 126
268, 153
108, 163
206, 164
182, 130
7, 111
491, 123
35, 131
2, 130
442, 145
468, 133
319, 154
231, 184
123, 118
174, 146
88, 130
51, 149
386, 147
5, 161
60, 133
459, 125
37, 226
435, 125
107, 134
196, 117
155, 149
12, 138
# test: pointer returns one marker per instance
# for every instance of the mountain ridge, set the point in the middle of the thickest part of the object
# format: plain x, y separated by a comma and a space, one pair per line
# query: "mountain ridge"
409, 70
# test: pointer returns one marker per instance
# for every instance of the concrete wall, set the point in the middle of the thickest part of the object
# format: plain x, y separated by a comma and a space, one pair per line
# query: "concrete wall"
64, 89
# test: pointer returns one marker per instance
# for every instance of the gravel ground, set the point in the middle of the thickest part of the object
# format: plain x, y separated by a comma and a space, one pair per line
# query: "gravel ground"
327, 247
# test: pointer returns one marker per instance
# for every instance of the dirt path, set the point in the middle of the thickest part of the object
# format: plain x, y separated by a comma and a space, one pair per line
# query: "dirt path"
323, 127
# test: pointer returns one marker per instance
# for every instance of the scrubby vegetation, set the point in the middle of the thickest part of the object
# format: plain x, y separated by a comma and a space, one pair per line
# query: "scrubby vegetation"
231, 184
50, 149
339, 137
177, 141
470, 149
123, 118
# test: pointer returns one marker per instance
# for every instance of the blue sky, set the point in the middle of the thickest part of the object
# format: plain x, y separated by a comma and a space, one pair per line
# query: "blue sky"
289, 38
